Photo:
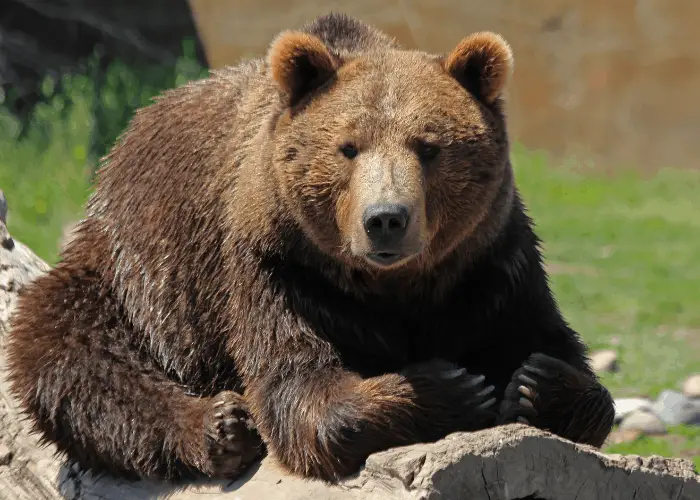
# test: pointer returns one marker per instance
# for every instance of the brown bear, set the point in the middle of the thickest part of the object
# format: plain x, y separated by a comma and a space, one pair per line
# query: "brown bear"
318, 255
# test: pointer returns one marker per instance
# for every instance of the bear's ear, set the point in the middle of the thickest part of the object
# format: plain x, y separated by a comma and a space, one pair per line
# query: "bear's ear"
300, 63
482, 63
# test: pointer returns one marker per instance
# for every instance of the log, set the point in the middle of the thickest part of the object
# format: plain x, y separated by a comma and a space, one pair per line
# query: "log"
505, 463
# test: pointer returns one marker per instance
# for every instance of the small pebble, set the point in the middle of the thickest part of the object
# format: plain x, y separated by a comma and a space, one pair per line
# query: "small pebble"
623, 436
625, 406
673, 408
604, 361
645, 422
691, 386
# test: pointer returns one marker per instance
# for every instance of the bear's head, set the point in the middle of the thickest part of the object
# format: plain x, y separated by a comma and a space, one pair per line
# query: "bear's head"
389, 159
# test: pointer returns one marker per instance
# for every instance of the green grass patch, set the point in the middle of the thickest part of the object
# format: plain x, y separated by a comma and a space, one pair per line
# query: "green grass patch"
681, 441
44, 175
46, 166
624, 260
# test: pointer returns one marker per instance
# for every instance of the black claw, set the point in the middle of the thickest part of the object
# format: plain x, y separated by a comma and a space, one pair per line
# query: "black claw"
473, 381
524, 378
487, 404
526, 403
485, 392
527, 392
538, 371
452, 374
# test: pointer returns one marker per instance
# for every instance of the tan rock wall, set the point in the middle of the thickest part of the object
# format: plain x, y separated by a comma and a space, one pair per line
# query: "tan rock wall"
615, 81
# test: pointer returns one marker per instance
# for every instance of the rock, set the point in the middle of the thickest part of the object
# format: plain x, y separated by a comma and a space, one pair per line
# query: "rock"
479, 466
604, 361
625, 406
691, 386
485, 464
618, 436
674, 408
645, 421
18, 266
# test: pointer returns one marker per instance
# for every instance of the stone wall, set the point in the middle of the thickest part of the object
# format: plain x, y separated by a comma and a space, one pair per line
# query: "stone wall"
613, 81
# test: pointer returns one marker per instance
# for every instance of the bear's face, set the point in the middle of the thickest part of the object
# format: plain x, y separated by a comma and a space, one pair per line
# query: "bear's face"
390, 159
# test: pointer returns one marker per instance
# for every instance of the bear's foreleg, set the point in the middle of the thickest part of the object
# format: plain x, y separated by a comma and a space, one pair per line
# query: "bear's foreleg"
75, 366
323, 421
553, 395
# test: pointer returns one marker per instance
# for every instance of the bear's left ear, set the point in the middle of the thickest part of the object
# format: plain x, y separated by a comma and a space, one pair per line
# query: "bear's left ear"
300, 63
482, 63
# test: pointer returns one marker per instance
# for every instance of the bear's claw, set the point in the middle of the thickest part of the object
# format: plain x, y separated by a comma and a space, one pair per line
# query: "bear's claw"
231, 441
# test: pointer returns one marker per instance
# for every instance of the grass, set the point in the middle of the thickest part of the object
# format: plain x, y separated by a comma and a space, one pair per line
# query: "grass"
623, 257
46, 165
622, 251
623, 254
45, 175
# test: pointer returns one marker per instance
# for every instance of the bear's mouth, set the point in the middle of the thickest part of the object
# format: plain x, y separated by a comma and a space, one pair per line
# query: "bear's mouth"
384, 259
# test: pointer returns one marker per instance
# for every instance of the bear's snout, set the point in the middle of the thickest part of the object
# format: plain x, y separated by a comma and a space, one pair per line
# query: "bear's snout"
386, 226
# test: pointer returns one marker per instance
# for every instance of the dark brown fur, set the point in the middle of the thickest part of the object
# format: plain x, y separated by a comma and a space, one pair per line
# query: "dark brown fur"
223, 251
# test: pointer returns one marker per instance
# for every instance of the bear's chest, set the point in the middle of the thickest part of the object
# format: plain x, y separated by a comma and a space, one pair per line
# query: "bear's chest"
381, 341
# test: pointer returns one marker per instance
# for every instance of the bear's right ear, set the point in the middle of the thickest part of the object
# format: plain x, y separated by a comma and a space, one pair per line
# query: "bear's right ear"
300, 63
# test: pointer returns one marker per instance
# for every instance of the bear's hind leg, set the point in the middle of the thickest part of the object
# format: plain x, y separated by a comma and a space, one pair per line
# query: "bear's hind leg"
87, 388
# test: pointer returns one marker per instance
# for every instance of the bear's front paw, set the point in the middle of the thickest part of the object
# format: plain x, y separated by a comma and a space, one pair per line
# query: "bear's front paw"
540, 392
231, 440
453, 399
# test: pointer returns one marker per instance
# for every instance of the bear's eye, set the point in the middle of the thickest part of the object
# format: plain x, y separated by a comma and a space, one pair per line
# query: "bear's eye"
427, 151
349, 150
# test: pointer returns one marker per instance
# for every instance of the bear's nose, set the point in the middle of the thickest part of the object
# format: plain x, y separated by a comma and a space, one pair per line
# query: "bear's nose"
385, 224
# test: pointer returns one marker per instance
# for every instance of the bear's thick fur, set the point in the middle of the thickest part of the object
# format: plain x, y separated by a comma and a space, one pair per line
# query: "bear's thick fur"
322, 251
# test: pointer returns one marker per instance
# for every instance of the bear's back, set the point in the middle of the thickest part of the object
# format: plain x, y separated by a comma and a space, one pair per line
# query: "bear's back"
160, 207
